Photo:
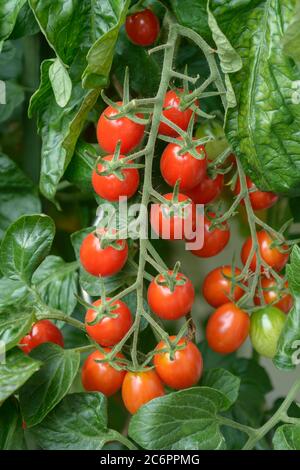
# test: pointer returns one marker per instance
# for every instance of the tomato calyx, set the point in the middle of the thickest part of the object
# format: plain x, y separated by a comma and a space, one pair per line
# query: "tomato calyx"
174, 207
109, 238
215, 222
172, 344
112, 359
171, 279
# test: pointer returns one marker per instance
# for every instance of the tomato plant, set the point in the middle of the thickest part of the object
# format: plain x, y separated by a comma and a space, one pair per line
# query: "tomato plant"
119, 328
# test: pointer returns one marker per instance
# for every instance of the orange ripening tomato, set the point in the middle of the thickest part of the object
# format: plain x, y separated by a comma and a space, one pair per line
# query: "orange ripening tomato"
272, 255
217, 286
282, 300
139, 388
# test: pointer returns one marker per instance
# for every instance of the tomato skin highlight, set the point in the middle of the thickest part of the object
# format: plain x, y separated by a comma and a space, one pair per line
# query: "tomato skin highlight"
142, 27
102, 261
186, 168
172, 112
265, 329
167, 304
227, 328
214, 241
173, 227
109, 331
43, 331
110, 131
208, 190
216, 287
101, 376
272, 256
184, 370
110, 187
283, 301
139, 388
260, 200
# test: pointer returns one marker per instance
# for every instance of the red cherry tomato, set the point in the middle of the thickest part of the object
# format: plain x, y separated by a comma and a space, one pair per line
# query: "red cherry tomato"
173, 223
259, 199
101, 376
109, 331
142, 27
186, 168
282, 300
271, 255
43, 331
208, 190
214, 240
171, 110
111, 131
139, 388
171, 304
217, 286
102, 261
110, 187
184, 370
227, 328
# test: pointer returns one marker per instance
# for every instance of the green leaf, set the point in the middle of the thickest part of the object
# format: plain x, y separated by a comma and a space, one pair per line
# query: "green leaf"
131, 301
263, 129
56, 281
287, 437
61, 82
26, 24
18, 195
14, 325
224, 381
12, 292
14, 97
192, 14
288, 347
11, 432
79, 422
50, 384
187, 420
25, 244
9, 10
11, 61
291, 38
80, 169
15, 371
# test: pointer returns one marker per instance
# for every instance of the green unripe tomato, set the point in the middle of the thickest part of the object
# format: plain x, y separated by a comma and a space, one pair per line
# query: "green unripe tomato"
265, 328
217, 146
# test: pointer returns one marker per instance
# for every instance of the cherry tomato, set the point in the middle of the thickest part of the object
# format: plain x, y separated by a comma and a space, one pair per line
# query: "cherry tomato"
102, 261
142, 27
171, 304
101, 376
184, 370
186, 168
110, 187
227, 328
176, 222
282, 300
139, 388
111, 131
208, 190
214, 240
43, 331
217, 286
271, 255
266, 326
171, 110
109, 331
259, 199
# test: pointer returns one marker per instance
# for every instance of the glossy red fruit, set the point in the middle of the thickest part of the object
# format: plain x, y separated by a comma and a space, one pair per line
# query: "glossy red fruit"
110, 187
184, 370
43, 331
208, 190
173, 223
171, 110
227, 329
215, 240
184, 167
109, 331
282, 300
271, 255
101, 376
217, 286
171, 304
111, 131
139, 388
259, 199
142, 27
102, 261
